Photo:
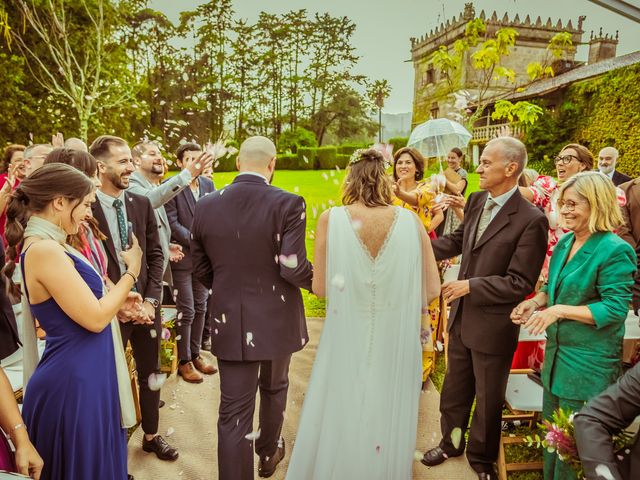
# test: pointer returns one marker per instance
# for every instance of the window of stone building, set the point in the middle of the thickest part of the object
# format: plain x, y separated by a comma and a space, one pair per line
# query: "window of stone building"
435, 111
431, 76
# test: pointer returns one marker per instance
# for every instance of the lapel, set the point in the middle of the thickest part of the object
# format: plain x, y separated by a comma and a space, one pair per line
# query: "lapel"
191, 202
500, 221
98, 214
579, 258
634, 192
474, 219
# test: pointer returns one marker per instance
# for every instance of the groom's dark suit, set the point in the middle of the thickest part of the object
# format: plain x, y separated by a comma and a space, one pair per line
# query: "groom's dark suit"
502, 268
238, 234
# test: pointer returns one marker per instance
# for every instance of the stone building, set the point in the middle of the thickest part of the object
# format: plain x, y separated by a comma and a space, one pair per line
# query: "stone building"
432, 98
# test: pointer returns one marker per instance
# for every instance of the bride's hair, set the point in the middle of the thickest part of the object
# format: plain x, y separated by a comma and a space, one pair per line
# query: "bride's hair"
34, 194
367, 180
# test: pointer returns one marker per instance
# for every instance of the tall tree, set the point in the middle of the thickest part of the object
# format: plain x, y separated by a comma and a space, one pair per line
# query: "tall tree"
81, 73
378, 92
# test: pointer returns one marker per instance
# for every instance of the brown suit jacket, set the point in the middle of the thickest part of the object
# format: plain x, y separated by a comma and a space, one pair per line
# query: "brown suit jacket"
630, 231
502, 270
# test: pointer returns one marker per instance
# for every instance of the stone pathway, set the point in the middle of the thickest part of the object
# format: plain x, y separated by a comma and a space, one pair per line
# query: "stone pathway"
190, 414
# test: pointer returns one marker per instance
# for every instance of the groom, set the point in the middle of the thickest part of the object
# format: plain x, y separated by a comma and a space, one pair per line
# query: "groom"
248, 247
503, 241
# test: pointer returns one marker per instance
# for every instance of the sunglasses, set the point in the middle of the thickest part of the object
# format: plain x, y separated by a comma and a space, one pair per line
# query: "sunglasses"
564, 159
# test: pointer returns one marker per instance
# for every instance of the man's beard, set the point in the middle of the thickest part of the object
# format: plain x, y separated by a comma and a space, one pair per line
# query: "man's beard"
119, 182
157, 169
607, 170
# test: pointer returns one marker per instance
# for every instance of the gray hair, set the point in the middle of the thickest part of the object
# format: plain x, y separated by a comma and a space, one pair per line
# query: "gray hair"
612, 150
512, 150
29, 150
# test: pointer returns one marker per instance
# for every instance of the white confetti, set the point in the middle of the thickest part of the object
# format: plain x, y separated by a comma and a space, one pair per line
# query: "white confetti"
277, 237
303, 215
290, 261
210, 292
180, 316
417, 456
185, 76
224, 319
296, 189
170, 431
178, 337
221, 192
216, 320
604, 472
153, 333
456, 437
216, 331
282, 297
249, 338
253, 435
303, 341
357, 225
338, 281
276, 259
156, 380
325, 176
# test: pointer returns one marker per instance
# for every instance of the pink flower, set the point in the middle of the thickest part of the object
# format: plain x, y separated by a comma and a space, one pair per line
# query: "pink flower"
166, 334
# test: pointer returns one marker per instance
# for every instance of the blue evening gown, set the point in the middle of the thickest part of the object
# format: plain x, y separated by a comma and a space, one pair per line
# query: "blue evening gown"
71, 405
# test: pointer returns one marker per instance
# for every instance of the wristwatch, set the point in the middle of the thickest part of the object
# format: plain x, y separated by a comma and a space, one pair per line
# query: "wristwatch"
154, 303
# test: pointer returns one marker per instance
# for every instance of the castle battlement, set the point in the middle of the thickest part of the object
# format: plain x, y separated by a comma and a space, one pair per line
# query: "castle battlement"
529, 31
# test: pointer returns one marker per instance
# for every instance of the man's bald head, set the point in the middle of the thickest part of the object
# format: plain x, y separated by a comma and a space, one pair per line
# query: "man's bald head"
256, 153
74, 143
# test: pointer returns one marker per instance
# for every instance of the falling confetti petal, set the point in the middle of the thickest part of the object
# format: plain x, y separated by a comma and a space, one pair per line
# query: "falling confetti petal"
357, 225
249, 338
604, 472
276, 259
296, 189
156, 380
170, 431
456, 437
221, 192
417, 456
253, 435
282, 297
302, 216
338, 281
178, 337
224, 319
198, 166
153, 333
277, 237
303, 341
180, 316
216, 320
290, 261
325, 176
216, 331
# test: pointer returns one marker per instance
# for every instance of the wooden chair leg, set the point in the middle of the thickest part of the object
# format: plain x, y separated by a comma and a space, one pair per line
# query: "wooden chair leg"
502, 464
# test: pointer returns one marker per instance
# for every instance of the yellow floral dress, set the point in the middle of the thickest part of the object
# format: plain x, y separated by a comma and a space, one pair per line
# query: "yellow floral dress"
426, 199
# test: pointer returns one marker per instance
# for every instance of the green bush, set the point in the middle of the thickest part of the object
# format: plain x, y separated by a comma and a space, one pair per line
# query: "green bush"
287, 161
326, 158
292, 140
349, 148
307, 158
398, 142
543, 167
342, 160
226, 164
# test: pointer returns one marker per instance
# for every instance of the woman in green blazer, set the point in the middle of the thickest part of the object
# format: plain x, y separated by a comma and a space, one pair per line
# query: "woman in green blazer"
587, 298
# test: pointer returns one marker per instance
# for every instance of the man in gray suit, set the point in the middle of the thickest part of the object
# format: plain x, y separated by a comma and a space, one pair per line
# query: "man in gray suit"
145, 181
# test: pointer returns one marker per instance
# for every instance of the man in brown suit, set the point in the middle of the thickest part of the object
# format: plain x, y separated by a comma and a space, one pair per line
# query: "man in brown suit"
503, 241
630, 231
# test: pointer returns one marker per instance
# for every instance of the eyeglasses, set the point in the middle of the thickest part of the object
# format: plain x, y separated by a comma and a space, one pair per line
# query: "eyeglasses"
564, 159
568, 205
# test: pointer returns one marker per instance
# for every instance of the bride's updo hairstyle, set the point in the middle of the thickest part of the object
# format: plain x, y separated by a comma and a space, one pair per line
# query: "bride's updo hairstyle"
367, 180
34, 194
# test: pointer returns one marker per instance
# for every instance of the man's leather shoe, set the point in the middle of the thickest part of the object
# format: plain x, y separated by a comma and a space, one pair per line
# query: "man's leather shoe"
434, 457
130, 477
487, 476
267, 465
189, 373
160, 447
161, 404
206, 344
203, 366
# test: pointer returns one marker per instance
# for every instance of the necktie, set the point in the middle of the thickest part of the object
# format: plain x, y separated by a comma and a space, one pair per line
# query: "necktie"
485, 218
122, 225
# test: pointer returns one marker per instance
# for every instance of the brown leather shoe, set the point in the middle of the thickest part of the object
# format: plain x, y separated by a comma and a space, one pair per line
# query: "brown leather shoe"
189, 373
267, 465
203, 366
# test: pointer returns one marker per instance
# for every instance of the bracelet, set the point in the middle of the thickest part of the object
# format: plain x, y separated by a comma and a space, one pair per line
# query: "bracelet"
135, 279
16, 428
535, 303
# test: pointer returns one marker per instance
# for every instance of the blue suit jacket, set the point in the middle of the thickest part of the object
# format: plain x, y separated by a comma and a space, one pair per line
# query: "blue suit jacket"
180, 210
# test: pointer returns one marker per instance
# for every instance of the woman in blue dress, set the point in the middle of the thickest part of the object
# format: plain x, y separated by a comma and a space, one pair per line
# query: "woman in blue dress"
71, 404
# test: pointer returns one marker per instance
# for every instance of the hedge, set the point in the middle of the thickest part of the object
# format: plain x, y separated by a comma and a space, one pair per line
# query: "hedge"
307, 158
595, 113
398, 142
326, 158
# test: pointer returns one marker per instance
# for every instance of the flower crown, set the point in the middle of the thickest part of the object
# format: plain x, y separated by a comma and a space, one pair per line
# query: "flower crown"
385, 150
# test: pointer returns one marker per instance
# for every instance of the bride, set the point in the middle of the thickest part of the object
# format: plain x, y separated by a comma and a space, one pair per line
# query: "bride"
374, 263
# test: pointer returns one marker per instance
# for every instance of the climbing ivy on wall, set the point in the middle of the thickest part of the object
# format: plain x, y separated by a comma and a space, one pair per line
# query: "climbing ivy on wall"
596, 113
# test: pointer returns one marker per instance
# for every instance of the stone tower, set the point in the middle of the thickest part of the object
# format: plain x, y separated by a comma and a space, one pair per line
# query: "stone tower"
531, 45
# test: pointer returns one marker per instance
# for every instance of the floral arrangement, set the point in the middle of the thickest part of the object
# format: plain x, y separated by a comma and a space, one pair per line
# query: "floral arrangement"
167, 344
559, 437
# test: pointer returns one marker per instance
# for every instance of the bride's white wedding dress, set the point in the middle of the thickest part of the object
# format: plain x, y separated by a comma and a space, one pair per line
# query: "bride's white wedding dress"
360, 413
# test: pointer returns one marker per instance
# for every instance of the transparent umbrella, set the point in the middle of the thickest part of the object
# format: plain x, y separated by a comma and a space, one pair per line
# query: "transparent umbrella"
435, 138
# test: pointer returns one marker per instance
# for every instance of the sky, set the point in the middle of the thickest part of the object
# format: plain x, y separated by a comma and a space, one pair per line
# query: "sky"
383, 29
